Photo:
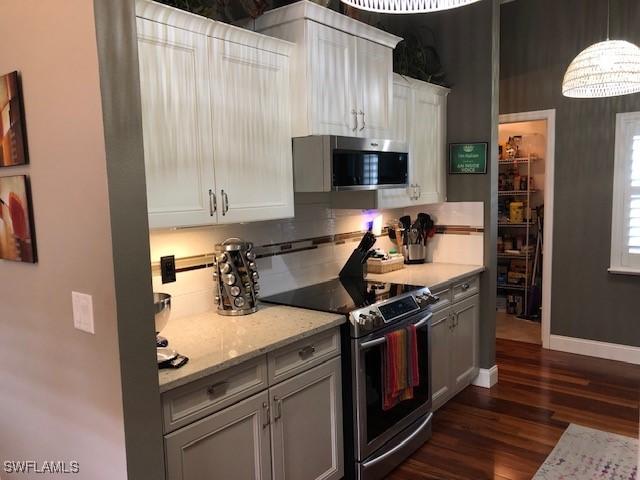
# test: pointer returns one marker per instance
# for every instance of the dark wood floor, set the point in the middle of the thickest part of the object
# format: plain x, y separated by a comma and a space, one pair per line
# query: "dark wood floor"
508, 431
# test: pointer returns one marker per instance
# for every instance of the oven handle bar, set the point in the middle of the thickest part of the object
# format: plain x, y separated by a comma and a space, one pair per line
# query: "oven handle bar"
381, 340
401, 445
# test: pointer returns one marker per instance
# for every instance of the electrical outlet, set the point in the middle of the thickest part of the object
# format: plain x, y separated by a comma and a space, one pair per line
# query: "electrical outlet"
83, 312
168, 269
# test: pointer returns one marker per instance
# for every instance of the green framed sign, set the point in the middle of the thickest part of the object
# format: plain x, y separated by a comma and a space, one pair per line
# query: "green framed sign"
468, 158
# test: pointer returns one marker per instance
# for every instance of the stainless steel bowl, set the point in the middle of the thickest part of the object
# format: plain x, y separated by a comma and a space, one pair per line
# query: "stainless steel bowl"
162, 304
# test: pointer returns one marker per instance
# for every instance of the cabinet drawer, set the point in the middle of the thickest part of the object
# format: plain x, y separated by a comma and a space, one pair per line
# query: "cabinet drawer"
198, 399
466, 288
302, 355
445, 299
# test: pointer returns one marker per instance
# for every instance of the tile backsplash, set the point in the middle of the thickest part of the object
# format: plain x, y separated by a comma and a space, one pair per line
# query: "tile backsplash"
193, 291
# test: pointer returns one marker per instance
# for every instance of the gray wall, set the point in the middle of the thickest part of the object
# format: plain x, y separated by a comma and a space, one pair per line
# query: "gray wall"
467, 40
539, 40
122, 116
60, 393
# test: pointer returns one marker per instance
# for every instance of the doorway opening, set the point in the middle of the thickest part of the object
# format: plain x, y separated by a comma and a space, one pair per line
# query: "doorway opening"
525, 222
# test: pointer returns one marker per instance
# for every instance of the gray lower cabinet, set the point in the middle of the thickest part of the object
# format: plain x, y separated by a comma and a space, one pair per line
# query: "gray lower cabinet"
465, 360
290, 430
233, 443
440, 355
454, 349
306, 432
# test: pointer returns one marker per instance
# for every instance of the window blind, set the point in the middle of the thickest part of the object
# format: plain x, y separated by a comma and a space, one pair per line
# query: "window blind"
625, 219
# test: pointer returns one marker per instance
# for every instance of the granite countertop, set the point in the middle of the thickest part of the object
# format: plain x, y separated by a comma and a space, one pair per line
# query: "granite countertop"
432, 275
214, 342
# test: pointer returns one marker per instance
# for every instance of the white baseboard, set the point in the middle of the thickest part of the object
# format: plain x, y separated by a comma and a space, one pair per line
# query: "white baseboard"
487, 377
592, 348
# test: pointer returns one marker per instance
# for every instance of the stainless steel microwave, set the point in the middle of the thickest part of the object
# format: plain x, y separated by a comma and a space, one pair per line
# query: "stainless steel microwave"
325, 163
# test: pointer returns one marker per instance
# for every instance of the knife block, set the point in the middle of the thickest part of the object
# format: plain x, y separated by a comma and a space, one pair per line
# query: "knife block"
355, 266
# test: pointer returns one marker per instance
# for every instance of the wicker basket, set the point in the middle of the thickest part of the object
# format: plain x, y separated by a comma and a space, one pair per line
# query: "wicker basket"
377, 265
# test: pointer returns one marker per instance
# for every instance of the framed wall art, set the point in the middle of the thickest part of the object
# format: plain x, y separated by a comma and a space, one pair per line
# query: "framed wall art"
17, 242
13, 144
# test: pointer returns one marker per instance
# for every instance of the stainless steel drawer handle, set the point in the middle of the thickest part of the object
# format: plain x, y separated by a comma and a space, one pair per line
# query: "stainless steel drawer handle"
401, 445
225, 202
465, 286
307, 352
278, 414
267, 413
213, 203
219, 388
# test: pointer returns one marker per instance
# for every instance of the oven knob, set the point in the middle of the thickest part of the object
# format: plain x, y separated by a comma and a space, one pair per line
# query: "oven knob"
377, 318
365, 321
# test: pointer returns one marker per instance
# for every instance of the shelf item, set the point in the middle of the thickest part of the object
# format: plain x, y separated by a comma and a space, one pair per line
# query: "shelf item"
515, 192
509, 256
515, 225
518, 160
506, 286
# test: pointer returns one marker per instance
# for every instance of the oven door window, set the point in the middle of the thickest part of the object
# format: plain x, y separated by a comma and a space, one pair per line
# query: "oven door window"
361, 169
379, 420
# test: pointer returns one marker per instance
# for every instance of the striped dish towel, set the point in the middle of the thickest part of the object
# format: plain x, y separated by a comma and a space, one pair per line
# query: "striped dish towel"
400, 369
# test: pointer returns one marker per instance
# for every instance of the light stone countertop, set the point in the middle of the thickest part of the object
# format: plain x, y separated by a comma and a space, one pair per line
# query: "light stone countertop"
432, 275
214, 342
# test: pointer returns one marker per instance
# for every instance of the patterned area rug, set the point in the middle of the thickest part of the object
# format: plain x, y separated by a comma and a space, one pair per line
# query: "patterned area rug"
584, 454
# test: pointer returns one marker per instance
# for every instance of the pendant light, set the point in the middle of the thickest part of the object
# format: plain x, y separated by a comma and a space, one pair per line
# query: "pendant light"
605, 69
407, 6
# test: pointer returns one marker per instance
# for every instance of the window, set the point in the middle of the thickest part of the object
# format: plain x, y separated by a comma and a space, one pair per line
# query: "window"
625, 223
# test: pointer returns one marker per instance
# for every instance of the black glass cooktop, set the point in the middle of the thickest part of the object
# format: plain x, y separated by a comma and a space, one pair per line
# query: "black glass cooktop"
339, 295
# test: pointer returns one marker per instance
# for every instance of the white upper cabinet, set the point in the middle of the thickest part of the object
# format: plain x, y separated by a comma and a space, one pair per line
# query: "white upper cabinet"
332, 81
176, 121
252, 133
216, 120
419, 118
342, 79
375, 92
428, 149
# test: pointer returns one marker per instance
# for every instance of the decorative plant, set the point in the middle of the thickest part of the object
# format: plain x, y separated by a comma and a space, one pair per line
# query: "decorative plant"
224, 10
418, 58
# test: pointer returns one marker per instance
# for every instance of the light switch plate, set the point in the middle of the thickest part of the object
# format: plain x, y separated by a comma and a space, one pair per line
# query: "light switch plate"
83, 312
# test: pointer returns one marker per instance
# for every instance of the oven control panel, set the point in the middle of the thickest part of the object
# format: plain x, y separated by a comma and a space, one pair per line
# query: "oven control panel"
378, 315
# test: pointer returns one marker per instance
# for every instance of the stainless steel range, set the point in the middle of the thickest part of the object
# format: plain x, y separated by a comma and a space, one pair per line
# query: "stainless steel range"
376, 440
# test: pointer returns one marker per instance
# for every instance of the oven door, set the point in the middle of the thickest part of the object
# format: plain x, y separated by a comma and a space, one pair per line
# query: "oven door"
375, 426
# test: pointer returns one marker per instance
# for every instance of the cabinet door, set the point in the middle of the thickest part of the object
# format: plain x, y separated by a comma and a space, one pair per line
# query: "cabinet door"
464, 347
400, 130
332, 96
176, 121
233, 443
375, 89
440, 357
428, 163
307, 425
252, 129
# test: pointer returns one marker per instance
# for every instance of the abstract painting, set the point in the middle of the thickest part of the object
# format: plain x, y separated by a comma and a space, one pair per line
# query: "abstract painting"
16, 220
13, 147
